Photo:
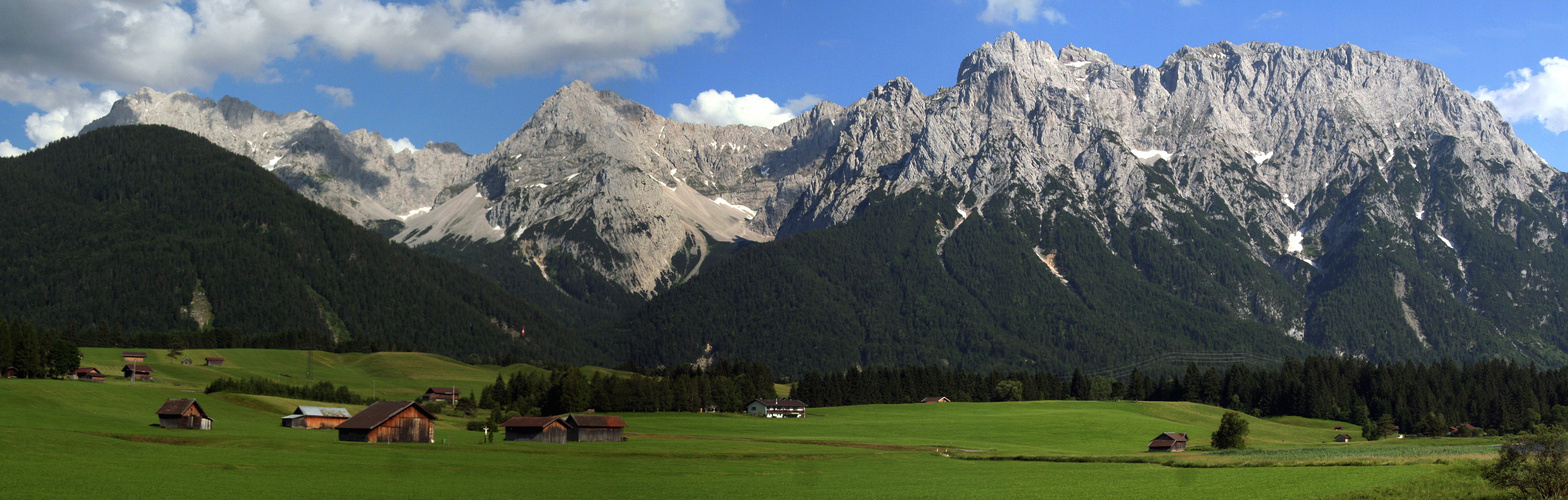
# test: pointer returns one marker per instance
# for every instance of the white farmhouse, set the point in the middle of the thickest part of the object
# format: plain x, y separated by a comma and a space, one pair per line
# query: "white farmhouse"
776, 408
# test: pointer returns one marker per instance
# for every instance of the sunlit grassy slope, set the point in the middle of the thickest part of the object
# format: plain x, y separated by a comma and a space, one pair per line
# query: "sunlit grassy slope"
77, 438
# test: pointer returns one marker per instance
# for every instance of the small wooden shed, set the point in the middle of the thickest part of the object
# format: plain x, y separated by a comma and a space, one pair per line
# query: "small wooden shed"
141, 372
1169, 442
448, 394
936, 399
389, 422
134, 357
183, 413
536, 429
1342, 438
316, 417
89, 374
12, 372
594, 428
214, 361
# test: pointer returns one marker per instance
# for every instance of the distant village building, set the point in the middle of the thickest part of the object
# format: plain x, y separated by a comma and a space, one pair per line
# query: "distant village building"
776, 408
1169, 442
936, 399
214, 361
536, 429
183, 413
12, 372
448, 394
1342, 438
89, 374
594, 428
316, 417
389, 422
134, 357
142, 372
186, 361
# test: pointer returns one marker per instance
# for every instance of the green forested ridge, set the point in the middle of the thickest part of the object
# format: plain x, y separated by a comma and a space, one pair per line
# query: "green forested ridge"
886, 288
114, 229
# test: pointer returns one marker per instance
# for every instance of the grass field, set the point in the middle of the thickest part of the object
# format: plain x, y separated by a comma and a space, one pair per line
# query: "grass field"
76, 438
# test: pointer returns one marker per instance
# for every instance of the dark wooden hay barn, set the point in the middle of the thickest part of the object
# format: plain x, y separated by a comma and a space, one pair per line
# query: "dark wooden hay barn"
141, 372
214, 361
1342, 438
134, 357
183, 413
389, 422
316, 417
536, 429
936, 399
1169, 442
594, 428
448, 394
89, 374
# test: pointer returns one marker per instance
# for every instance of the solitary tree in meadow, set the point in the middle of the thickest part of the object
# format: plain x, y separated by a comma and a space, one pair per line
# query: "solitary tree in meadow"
1232, 433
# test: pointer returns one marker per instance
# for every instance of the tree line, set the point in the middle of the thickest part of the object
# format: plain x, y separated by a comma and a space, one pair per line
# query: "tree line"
322, 391
722, 386
1408, 397
34, 353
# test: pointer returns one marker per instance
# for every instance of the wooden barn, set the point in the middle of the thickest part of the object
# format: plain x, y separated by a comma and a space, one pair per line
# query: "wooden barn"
12, 372
936, 399
89, 374
448, 394
316, 417
214, 361
141, 372
776, 408
183, 413
134, 357
1342, 438
593, 428
1169, 442
186, 361
536, 429
389, 422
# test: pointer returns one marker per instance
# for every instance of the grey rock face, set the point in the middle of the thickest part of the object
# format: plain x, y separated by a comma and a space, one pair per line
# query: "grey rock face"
357, 174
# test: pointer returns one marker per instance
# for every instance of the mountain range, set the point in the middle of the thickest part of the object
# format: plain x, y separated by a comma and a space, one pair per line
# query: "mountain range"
1050, 208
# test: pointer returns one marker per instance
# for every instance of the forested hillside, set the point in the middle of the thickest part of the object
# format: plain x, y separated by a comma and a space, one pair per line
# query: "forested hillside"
888, 288
148, 228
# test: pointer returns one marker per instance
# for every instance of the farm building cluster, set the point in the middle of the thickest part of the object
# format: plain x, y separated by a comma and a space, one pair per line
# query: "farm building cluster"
776, 408
566, 428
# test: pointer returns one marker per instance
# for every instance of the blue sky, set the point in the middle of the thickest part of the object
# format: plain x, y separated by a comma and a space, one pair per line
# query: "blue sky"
473, 71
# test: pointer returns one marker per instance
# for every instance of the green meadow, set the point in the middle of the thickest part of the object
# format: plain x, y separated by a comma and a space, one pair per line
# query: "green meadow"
77, 438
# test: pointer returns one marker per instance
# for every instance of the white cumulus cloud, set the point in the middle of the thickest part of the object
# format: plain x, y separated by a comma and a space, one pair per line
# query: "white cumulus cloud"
1019, 11
341, 97
1535, 95
401, 145
59, 54
66, 121
725, 108
7, 150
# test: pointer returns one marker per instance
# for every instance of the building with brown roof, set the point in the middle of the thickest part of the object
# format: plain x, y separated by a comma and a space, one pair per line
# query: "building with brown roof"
134, 357
142, 372
536, 429
776, 408
183, 413
1169, 442
12, 372
936, 399
594, 428
316, 417
390, 422
214, 361
1342, 438
89, 374
448, 394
